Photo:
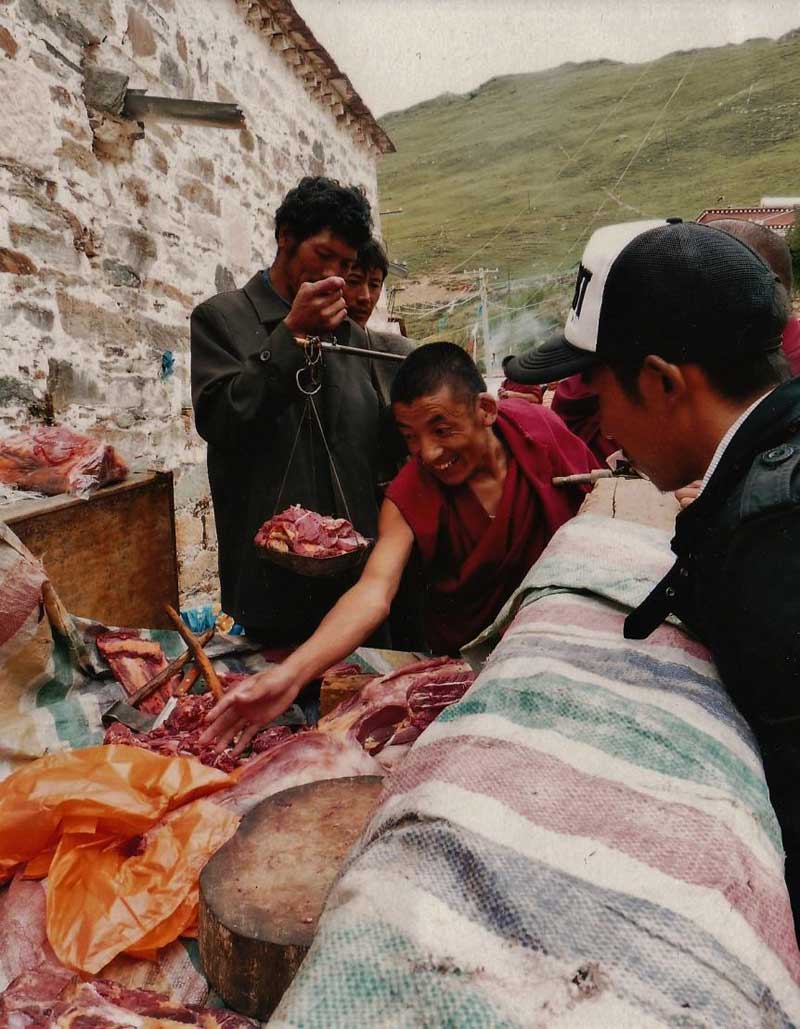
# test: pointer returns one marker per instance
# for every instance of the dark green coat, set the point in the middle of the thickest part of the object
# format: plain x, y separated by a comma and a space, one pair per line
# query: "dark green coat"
248, 408
736, 583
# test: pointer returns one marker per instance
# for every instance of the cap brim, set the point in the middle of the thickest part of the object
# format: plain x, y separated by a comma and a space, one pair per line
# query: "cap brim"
554, 359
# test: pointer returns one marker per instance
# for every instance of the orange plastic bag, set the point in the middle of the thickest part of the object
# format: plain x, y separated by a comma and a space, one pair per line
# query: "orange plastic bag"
80, 816
113, 791
103, 900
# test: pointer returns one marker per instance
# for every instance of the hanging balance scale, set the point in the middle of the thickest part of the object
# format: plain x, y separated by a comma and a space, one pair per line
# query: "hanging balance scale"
309, 382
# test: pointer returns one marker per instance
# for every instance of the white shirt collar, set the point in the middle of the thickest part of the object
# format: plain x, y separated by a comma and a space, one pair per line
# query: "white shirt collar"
726, 439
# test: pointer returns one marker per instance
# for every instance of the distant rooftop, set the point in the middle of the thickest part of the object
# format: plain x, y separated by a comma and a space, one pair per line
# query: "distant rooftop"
781, 219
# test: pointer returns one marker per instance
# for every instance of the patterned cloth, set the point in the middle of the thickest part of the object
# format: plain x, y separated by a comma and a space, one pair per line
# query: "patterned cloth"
584, 840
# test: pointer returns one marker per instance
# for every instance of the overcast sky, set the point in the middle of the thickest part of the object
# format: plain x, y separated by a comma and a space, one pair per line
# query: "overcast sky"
398, 52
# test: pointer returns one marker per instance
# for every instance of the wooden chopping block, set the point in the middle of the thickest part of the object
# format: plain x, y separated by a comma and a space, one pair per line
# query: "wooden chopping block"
261, 895
336, 688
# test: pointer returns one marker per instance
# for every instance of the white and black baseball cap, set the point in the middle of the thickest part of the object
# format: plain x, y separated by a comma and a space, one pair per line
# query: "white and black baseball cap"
685, 291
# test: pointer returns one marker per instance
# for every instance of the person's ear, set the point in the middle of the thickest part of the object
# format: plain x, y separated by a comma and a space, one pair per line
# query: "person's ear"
487, 409
286, 240
661, 381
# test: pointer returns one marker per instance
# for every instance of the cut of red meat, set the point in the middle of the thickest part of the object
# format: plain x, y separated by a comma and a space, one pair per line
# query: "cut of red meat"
393, 710
309, 534
53, 459
30, 998
269, 738
376, 727
180, 734
48, 1000
134, 662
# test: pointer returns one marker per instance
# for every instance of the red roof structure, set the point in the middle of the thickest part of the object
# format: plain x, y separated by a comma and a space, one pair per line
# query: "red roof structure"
779, 219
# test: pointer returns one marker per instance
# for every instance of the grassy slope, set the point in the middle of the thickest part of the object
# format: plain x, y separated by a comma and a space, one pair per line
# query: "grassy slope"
466, 165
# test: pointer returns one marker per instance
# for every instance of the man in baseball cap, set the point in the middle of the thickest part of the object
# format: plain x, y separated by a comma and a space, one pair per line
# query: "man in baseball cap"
677, 327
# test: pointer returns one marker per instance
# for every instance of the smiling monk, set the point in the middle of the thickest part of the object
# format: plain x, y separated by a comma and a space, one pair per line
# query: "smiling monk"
476, 500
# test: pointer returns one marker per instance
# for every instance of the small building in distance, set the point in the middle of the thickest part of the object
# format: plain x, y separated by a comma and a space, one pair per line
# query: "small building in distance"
780, 218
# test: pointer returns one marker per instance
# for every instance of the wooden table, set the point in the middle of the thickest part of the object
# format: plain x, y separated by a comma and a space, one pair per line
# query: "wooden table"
111, 557
633, 500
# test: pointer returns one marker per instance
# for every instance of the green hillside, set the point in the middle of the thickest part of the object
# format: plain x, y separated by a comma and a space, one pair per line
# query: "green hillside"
528, 164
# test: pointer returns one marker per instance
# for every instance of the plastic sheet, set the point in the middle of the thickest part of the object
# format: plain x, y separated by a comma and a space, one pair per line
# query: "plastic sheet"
103, 901
122, 834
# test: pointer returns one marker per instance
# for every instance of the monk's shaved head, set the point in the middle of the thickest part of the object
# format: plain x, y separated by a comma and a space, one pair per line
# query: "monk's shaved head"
770, 247
433, 366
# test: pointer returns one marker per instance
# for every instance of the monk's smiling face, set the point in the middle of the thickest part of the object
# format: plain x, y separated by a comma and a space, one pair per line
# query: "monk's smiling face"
449, 433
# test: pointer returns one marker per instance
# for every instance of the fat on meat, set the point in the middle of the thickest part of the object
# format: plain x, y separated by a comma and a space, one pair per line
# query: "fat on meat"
53, 459
306, 757
134, 662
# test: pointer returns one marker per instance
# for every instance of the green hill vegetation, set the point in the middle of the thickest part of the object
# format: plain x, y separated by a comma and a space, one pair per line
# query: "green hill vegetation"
517, 173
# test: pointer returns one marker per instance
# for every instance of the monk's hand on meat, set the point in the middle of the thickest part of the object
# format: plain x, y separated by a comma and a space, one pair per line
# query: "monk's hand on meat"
248, 707
317, 307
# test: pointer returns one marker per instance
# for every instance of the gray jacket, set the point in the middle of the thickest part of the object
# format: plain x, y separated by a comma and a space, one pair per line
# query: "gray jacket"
248, 409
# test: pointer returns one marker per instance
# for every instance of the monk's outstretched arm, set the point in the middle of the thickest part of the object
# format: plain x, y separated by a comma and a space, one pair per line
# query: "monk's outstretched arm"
256, 701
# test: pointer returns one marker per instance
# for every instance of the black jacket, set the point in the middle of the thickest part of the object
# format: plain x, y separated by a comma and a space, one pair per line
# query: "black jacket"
736, 583
248, 408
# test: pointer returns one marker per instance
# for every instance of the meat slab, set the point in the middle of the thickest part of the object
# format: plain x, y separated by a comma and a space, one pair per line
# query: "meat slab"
391, 712
55, 999
308, 534
306, 757
53, 459
134, 662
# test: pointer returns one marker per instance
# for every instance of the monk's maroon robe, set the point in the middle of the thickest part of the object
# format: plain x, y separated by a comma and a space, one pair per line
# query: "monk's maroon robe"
473, 562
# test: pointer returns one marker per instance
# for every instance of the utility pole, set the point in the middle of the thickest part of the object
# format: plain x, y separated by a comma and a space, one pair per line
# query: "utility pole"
489, 357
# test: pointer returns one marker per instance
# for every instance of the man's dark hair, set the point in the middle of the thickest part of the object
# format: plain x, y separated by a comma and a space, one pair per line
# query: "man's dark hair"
372, 255
318, 203
430, 367
734, 380
770, 247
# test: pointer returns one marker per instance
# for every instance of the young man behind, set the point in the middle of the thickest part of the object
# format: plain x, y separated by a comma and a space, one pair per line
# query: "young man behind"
677, 328
362, 290
477, 502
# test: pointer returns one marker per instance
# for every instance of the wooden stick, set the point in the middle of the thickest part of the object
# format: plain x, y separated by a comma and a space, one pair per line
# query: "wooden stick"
582, 477
212, 681
166, 673
61, 621
190, 677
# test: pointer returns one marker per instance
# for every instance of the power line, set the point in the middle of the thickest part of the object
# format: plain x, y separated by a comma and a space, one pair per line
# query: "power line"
635, 154
557, 175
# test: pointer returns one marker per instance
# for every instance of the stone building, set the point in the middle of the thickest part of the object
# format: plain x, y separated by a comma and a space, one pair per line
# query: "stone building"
118, 212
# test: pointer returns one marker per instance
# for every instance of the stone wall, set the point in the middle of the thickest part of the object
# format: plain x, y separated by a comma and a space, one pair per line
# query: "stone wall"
111, 230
